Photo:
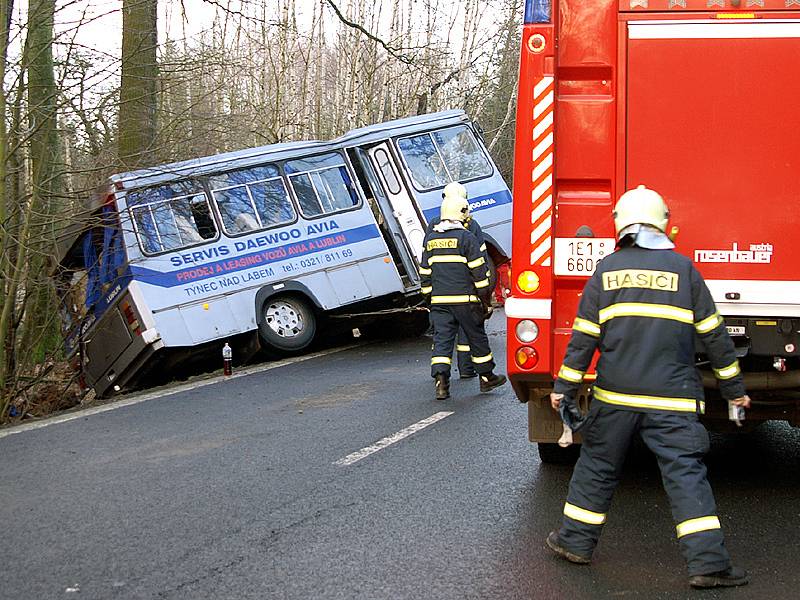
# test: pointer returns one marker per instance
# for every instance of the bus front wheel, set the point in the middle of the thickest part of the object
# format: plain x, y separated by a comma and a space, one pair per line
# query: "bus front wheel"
287, 324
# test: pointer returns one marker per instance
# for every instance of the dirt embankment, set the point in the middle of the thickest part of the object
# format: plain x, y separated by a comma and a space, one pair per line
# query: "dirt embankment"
50, 388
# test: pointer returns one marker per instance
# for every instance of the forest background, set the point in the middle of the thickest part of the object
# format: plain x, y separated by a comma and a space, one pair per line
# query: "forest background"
95, 87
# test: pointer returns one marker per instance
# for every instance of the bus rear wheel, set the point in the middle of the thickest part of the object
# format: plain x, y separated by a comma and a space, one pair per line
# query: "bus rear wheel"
287, 324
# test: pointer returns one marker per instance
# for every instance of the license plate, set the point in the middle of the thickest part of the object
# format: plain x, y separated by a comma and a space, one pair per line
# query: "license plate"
579, 256
734, 330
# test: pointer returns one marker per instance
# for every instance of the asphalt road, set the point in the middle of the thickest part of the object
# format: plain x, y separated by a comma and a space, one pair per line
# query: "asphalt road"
243, 489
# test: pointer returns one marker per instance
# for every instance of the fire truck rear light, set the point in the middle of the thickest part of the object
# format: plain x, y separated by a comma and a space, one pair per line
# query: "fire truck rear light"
526, 357
527, 331
528, 281
537, 43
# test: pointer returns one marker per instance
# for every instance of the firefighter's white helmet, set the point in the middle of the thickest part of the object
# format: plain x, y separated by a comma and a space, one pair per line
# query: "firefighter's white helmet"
454, 203
641, 205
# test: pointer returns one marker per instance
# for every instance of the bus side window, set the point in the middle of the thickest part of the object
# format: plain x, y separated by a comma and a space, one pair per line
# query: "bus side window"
236, 209
322, 184
203, 220
146, 228
309, 200
389, 176
171, 216
272, 202
251, 199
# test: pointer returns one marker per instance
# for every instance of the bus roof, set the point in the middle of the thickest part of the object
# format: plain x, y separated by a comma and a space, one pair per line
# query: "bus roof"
274, 152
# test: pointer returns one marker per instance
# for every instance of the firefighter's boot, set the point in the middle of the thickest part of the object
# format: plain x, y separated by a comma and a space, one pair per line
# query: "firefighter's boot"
467, 372
442, 386
489, 381
730, 577
554, 543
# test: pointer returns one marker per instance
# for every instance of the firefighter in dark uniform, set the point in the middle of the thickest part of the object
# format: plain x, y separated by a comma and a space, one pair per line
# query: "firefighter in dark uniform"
455, 282
466, 370
642, 309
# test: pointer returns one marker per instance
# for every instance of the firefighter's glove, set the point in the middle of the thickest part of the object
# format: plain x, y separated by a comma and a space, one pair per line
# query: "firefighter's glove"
487, 311
571, 414
566, 436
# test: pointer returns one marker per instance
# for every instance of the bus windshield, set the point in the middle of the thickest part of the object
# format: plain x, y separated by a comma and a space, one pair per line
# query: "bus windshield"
437, 158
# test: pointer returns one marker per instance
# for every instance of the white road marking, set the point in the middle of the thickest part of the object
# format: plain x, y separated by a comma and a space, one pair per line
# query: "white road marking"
144, 397
388, 441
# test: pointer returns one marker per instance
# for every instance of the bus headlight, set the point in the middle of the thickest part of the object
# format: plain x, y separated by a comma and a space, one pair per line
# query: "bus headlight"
526, 357
528, 281
527, 331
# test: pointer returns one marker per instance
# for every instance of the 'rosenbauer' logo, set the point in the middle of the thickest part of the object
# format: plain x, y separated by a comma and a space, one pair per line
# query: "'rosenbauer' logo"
758, 253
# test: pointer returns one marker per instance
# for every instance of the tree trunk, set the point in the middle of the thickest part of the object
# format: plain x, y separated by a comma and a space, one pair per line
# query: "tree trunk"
137, 95
6, 301
39, 335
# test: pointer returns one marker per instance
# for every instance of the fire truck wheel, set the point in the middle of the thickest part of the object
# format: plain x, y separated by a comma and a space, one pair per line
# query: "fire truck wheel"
287, 324
554, 454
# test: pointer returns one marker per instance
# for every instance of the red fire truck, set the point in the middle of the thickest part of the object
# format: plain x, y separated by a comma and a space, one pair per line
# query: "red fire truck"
698, 99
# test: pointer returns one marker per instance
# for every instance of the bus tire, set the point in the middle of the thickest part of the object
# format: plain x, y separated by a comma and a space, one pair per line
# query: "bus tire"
553, 454
418, 323
410, 325
287, 323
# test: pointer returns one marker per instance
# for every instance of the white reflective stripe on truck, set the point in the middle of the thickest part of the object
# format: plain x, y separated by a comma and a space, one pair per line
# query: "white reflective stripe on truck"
528, 308
542, 175
682, 30
756, 298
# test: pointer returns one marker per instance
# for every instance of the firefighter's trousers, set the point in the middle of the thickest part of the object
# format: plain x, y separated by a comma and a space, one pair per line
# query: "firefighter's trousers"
679, 443
464, 354
446, 319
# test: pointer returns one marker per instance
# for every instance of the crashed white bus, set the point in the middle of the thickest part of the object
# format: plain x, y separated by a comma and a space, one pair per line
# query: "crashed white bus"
257, 247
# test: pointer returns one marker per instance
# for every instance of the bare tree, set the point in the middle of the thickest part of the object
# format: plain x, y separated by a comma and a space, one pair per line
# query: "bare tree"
8, 259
